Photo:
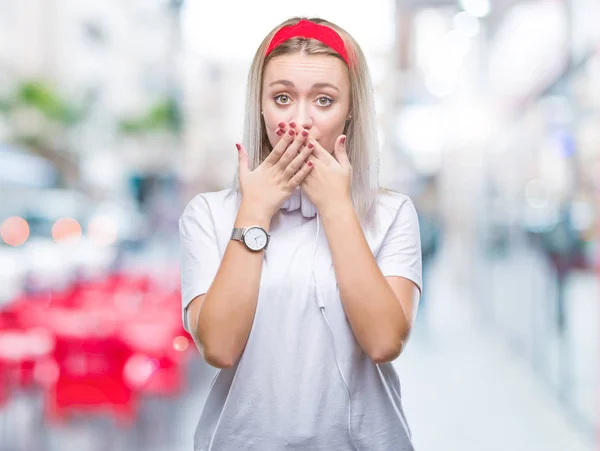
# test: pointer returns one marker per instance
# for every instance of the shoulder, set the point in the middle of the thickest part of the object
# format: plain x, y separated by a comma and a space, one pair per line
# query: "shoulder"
394, 214
211, 213
393, 204
214, 202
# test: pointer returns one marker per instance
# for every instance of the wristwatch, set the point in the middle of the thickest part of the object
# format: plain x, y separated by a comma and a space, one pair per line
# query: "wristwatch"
255, 238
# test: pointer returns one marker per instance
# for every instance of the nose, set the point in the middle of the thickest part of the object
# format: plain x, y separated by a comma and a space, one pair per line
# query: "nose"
303, 117
306, 125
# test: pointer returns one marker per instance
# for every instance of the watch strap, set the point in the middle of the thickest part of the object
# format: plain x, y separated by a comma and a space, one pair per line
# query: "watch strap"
237, 233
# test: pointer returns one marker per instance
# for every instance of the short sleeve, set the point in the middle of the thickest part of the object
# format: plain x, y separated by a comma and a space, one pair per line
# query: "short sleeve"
199, 252
400, 251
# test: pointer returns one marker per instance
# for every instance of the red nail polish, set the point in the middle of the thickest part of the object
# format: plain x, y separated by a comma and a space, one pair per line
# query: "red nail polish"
304, 133
279, 132
310, 145
238, 147
343, 140
291, 132
310, 163
292, 124
281, 124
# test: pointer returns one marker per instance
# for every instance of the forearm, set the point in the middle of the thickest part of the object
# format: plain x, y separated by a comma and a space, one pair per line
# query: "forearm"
227, 313
375, 314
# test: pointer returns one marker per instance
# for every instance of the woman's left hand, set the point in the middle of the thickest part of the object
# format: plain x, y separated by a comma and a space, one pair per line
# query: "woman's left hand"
328, 184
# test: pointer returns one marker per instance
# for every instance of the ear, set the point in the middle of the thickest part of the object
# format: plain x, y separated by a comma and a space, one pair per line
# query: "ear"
340, 151
347, 123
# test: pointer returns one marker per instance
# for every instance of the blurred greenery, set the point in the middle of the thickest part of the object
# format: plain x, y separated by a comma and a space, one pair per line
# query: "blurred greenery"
60, 114
164, 115
44, 98
46, 141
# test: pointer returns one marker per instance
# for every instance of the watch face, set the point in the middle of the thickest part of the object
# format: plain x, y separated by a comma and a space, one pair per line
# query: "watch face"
255, 238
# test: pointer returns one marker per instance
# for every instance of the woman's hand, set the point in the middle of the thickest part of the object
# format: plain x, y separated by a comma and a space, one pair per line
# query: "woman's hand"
329, 183
332, 186
267, 187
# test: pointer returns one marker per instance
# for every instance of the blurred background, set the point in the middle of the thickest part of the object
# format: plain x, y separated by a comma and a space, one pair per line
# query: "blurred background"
115, 113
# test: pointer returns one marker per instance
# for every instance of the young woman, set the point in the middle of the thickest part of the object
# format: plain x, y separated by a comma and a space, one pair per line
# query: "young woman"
301, 282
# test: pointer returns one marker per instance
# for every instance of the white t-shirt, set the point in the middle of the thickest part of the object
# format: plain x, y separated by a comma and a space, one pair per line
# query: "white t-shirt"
302, 382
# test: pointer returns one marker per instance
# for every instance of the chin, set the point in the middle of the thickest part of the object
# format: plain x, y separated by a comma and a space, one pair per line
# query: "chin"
324, 147
330, 150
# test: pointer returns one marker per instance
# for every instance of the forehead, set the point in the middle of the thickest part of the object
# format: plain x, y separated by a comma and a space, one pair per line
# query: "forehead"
305, 70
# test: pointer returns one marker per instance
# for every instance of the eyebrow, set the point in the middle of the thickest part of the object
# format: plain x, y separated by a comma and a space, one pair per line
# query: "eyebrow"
316, 85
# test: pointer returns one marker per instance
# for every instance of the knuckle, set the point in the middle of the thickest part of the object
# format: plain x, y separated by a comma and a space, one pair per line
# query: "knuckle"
293, 172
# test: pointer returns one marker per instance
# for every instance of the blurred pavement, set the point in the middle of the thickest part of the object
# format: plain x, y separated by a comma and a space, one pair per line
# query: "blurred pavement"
463, 388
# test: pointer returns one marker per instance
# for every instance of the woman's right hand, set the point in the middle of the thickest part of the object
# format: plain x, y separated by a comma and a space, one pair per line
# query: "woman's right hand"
267, 187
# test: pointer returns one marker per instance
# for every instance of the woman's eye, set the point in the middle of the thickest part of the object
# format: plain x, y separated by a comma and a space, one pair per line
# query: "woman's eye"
282, 99
324, 101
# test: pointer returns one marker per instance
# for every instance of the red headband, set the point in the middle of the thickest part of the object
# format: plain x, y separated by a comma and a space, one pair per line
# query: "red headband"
308, 29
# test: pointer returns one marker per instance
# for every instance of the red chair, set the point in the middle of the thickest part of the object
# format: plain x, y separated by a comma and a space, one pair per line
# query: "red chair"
20, 352
157, 365
91, 361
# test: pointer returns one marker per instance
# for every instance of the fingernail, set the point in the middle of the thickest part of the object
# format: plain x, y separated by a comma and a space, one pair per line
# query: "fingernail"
238, 147
310, 163
310, 145
343, 140
281, 124
292, 124
291, 132
304, 133
280, 132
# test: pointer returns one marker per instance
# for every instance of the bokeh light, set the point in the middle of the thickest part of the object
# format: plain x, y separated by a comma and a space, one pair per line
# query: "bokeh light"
66, 230
14, 231
180, 343
138, 370
102, 231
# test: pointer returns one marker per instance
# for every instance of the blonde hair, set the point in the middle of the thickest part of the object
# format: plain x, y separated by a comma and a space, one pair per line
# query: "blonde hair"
361, 131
